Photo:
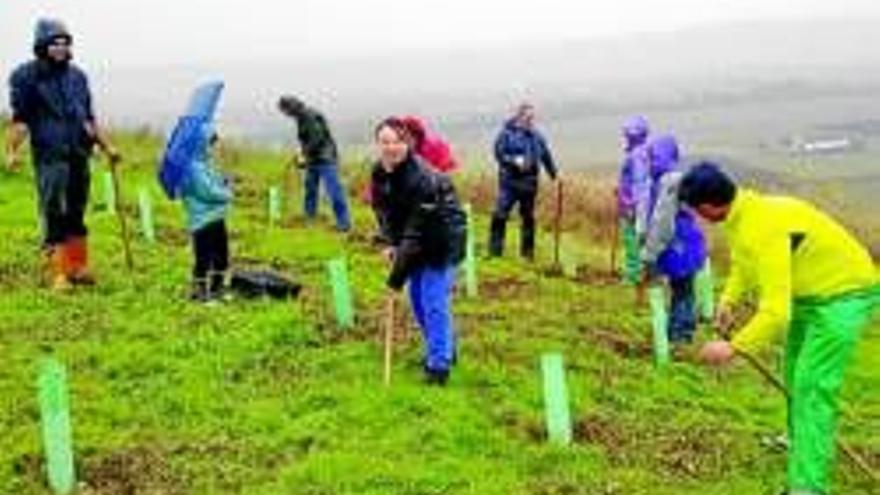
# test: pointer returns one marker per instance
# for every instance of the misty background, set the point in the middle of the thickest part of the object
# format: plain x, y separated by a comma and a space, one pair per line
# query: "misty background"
744, 79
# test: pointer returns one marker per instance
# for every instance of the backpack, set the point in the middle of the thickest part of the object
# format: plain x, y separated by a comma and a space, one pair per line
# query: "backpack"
431, 146
448, 224
252, 284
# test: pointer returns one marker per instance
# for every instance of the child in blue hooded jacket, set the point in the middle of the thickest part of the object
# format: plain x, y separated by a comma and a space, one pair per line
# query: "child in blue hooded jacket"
674, 245
206, 196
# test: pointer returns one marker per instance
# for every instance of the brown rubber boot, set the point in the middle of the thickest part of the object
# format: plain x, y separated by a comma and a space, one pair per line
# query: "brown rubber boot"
56, 269
78, 261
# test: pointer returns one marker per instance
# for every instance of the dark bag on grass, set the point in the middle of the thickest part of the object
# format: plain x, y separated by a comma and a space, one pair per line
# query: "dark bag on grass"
261, 283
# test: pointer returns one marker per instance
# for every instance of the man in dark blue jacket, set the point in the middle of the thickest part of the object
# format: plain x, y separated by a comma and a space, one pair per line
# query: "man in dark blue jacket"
520, 151
51, 100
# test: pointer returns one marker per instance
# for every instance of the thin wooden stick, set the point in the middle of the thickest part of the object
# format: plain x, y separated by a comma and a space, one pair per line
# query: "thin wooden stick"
291, 169
123, 227
389, 336
615, 240
847, 450
557, 223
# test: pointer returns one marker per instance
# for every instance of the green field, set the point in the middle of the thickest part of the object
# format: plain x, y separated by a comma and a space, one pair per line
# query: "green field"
169, 397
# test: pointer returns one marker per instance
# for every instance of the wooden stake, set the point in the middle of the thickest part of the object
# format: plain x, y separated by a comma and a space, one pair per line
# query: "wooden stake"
390, 311
850, 453
557, 223
123, 227
615, 241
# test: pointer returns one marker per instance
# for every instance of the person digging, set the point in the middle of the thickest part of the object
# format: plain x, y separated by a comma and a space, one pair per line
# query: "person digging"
814, 280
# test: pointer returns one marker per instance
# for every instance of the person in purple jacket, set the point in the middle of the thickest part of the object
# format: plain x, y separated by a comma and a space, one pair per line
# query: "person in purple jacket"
632, 197
674, 245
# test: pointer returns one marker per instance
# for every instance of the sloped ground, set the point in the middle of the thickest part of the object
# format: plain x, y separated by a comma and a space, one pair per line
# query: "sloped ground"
272, 398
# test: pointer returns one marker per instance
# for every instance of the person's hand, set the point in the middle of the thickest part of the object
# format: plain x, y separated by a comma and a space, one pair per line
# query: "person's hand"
717, 353
113, 155
724, 320
296, 161
13, 161
388, 254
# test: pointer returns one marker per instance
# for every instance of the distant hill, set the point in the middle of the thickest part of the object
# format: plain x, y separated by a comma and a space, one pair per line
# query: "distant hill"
473, 89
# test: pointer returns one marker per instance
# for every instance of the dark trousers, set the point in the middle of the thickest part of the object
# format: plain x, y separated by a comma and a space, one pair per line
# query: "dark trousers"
211, 246
683, 310
63, 192
508, 197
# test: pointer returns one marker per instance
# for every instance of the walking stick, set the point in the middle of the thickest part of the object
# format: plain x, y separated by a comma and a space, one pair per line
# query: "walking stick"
850, 453
389, 336
642, 288
123, 227
615, 240
557, 223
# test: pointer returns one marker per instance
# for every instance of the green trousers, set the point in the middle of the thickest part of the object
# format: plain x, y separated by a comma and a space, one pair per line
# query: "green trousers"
821, 342
632, 264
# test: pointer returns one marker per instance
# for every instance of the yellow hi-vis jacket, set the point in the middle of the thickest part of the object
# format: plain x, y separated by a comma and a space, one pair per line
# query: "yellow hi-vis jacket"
783, 249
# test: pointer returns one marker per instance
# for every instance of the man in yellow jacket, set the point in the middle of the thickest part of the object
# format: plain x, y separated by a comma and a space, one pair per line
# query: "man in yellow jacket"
813, 280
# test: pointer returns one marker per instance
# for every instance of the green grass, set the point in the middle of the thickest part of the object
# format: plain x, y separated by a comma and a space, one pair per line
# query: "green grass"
272, 398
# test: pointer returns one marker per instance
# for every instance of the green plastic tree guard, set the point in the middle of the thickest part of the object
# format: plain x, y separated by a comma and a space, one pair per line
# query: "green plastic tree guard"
557, 411
274, 206
145, 206
659, 322
706, 291
55, 417
342, 301
631, 262
109, 193
470, 260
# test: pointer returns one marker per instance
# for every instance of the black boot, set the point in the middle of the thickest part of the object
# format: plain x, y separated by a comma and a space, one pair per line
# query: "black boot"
527, 238
200, 291
496, 238
217, 288
436, 377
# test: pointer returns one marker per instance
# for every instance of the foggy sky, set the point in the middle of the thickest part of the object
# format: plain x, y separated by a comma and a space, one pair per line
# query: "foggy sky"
361, 58
174, 32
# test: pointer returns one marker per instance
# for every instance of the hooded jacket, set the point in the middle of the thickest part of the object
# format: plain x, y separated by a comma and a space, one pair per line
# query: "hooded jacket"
674, 242
53, 100
632, 187
204, 192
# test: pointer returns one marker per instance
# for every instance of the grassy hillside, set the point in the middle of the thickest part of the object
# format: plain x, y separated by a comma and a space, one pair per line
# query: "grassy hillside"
267, 397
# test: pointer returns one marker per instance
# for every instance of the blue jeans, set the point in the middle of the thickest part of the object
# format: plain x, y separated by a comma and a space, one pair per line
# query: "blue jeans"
329, 173
683, 310
430, 294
